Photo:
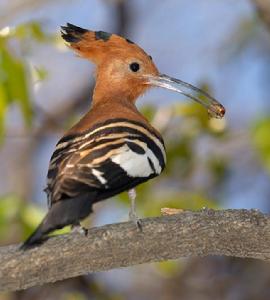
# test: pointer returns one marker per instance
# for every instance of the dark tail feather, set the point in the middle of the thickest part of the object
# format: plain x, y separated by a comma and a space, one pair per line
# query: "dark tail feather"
36, 238
62, 213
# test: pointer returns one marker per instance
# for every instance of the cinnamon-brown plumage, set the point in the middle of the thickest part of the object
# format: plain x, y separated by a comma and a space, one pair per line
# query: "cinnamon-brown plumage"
113, 148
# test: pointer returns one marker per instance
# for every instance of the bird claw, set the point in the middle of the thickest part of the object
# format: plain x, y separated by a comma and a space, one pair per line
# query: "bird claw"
79, 229
133, 218
85, 231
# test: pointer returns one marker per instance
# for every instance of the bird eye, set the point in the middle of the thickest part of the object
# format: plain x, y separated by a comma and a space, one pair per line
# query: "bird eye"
134, 67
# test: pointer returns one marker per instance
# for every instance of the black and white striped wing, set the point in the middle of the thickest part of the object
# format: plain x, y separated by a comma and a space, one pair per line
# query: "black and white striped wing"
111, 158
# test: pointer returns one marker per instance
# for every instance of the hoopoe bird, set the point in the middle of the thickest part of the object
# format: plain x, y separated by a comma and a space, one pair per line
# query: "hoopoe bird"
113, 148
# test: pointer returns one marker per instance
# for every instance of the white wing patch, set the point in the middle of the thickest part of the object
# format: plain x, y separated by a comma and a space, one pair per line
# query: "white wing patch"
99, 176
136, 165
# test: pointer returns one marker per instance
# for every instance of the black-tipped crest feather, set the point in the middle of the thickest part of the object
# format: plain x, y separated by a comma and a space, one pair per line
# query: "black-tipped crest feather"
72, 33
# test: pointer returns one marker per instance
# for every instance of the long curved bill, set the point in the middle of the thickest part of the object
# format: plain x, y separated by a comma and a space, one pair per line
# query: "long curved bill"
214, 108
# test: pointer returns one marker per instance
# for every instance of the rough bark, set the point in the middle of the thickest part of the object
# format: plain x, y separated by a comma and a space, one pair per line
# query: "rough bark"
238, 233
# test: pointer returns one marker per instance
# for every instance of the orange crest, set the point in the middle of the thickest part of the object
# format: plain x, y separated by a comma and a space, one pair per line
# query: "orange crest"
97, 46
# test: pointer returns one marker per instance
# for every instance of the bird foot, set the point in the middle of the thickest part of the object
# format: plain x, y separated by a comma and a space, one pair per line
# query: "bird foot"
134, 218
79, 229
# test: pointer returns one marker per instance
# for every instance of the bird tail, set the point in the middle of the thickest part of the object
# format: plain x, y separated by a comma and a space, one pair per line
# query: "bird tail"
65, 212
37, 237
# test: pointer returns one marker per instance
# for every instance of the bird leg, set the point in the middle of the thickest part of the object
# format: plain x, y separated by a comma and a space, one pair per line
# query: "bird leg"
78, 228
132, 212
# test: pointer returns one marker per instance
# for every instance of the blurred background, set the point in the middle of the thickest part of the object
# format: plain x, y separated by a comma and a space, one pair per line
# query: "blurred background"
222, 46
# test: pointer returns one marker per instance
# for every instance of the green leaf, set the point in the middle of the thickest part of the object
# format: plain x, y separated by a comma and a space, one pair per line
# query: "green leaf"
3, 109
16, 83
261, 138
148, 111
21, 93
29, 30
40, 73
169, 268
36, 31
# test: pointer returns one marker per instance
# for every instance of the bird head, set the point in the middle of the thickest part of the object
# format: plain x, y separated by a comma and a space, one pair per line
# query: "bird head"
126, 70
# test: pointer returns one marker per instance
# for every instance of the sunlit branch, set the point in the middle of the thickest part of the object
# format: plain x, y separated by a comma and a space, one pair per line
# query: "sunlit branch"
238, 233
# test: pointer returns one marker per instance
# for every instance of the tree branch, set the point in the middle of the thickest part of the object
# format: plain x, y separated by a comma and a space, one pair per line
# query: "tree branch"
239, 233
263, 10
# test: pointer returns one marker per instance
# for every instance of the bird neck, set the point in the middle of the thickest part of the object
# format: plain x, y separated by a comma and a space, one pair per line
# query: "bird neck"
102, 95
105, 108
113, 106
